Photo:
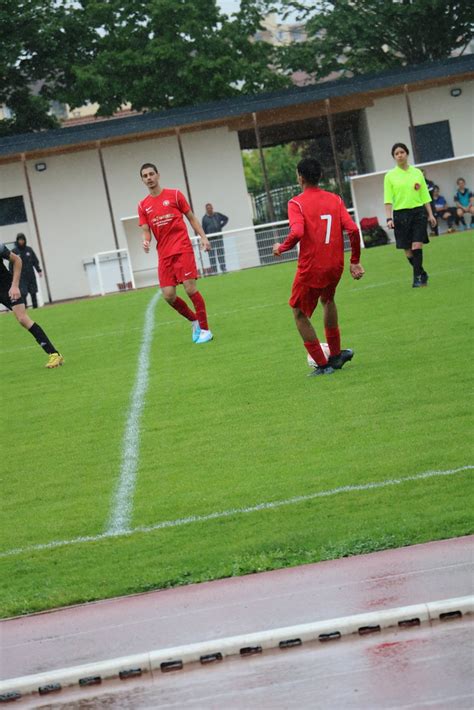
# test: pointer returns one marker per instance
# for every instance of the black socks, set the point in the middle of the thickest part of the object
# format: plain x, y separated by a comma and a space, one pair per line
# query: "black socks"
42, 339
417, 262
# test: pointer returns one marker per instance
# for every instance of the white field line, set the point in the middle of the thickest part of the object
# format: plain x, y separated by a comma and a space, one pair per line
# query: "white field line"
121, 512
235, 511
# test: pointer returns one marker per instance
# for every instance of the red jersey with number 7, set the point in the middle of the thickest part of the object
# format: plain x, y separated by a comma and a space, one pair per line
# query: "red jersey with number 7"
318, 220
164, 215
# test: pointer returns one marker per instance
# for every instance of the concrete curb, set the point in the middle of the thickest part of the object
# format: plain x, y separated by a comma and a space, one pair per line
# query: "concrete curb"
208, 652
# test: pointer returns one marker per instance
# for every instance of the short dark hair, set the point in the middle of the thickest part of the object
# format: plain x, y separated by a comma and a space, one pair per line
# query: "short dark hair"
20, 235
400, 145
460, 179
310, 170
148, 165
435, 187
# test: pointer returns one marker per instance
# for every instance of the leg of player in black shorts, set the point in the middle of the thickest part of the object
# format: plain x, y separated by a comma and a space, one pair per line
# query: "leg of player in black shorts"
55, 359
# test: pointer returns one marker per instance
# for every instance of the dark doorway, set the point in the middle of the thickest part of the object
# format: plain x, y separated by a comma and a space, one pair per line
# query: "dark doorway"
433, 141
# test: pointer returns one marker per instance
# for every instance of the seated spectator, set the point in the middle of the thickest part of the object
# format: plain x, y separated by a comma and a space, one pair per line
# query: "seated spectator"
463, 199
442, 211
431, 186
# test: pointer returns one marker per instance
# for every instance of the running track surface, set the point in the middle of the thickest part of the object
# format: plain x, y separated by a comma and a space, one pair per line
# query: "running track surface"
199, 612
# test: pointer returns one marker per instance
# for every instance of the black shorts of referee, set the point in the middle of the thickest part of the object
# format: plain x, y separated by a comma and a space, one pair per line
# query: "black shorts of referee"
410, 226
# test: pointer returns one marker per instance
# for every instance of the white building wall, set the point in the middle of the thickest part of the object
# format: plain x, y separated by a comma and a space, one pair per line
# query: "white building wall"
73, 218
388, 120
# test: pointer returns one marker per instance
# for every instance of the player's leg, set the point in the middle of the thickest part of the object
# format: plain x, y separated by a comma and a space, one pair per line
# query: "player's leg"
55, 358
186, 272
34, 300
171, 297
303, 301
168, 280
204, 335
337, 358
311, 342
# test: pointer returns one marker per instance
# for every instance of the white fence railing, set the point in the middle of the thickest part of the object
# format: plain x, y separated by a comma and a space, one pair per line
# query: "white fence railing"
232, 250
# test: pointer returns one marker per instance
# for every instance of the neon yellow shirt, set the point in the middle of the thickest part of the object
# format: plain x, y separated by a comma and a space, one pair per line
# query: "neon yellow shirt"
405, 189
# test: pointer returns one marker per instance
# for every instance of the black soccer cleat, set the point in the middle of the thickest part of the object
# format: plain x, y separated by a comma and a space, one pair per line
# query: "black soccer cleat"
417, 282
326, 370
337, 362
424, 279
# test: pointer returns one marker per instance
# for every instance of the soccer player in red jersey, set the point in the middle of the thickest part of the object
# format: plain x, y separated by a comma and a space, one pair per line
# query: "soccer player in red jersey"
161, 213
317, 220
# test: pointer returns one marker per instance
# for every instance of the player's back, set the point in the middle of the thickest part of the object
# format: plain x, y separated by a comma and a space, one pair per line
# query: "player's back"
322, 242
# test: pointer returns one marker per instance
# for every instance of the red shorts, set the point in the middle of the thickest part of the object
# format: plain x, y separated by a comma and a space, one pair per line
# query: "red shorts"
175, 269
306, 297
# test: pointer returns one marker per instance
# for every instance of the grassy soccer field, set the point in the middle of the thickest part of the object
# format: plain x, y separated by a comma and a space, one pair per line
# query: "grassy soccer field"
234, 424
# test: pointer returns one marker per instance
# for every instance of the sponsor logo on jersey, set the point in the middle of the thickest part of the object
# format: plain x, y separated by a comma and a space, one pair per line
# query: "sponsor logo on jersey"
166, 203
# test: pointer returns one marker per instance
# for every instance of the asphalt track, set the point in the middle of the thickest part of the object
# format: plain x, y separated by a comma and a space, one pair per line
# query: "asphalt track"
430, 666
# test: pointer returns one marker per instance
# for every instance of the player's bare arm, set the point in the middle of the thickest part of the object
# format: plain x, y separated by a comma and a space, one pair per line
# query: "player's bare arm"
357, 271
205, 245
431, 217
146, 238
276, 249
14, 291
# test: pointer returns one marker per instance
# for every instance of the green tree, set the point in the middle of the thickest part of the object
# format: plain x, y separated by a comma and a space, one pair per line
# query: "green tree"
153, 54
361, 36
39, 39
158, 54
281, 161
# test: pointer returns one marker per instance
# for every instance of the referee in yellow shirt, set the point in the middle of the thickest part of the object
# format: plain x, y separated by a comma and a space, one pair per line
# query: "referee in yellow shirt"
407, 204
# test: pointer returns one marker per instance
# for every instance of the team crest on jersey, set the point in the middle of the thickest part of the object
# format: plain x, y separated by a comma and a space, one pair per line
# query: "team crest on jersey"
166, 203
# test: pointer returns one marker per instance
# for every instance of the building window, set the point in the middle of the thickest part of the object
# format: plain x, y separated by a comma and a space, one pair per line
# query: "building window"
12, 211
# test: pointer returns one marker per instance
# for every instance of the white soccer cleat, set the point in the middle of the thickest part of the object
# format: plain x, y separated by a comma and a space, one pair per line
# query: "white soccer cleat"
196, 330
204, 336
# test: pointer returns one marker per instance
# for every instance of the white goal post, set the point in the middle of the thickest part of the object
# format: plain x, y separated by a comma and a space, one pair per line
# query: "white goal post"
112, 272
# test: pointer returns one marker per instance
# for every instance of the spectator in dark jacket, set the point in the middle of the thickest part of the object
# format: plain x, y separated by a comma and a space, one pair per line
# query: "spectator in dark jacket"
31, 264
214, 222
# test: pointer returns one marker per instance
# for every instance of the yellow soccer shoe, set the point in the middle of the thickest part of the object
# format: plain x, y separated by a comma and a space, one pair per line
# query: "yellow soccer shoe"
54, 360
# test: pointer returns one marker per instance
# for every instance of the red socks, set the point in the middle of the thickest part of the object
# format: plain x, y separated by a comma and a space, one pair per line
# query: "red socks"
333, 338
200, 307
180, 306
315, 350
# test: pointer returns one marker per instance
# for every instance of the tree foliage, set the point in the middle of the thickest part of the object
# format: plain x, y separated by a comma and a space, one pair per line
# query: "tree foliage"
362, 36
36, 45
153, 54
280, 160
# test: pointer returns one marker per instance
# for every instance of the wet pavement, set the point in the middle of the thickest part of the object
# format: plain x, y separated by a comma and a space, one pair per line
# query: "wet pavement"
423, 667
200, 612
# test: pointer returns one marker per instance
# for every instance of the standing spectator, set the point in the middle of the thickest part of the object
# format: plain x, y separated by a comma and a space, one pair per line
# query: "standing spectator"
442, 211
214, 222
463, 199
407, 201
10, 296
161, 214
317, 220
31, 264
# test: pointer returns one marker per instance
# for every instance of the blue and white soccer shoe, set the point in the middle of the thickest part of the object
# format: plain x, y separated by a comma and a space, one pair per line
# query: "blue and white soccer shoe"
196, 330
204, 337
